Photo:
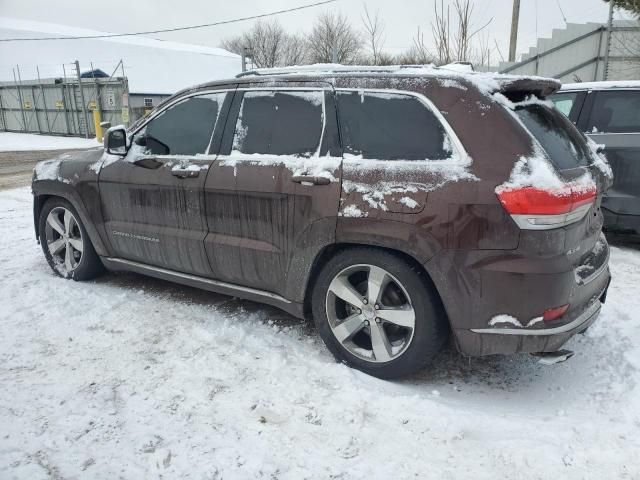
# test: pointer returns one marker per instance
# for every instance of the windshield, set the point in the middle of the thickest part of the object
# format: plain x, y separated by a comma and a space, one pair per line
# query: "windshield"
563, 143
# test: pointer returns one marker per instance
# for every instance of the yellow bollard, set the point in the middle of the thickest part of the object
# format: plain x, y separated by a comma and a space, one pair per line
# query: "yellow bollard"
96, 124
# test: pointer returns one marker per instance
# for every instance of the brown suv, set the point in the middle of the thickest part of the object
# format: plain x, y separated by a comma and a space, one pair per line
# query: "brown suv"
395, 206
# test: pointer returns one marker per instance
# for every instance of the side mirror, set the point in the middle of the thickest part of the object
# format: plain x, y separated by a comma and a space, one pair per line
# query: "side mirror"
115, 142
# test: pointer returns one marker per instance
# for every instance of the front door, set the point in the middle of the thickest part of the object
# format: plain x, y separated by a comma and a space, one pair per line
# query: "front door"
272, 196
153, 198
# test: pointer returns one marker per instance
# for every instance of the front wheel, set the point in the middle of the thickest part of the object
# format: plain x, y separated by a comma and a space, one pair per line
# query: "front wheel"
65, 242
378, 313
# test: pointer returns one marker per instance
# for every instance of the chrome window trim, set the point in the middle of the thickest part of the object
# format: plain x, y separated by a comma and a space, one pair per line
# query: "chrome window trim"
179, 99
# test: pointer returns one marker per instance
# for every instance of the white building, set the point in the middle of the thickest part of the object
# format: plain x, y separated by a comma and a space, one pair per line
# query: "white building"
155, 68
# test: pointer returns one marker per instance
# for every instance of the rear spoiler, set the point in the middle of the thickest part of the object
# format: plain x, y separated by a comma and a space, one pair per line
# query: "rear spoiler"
541, 87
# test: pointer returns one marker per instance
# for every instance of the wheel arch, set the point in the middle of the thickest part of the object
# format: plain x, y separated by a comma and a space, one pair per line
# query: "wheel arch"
43, 193
330, 250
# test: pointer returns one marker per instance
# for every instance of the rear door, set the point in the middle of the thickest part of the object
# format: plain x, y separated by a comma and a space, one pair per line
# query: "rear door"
614, 120
153, 198
272, 197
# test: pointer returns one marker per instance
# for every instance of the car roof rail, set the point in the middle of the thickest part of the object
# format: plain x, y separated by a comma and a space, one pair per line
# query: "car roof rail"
329, 68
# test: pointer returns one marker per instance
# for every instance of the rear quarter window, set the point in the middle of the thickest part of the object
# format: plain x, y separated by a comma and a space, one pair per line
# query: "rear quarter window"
561, 140
390, 126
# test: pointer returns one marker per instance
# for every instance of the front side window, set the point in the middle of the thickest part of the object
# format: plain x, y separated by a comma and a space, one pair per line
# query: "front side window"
564, 101
615, 112
185, 128
280, 123
561, 140
390, 126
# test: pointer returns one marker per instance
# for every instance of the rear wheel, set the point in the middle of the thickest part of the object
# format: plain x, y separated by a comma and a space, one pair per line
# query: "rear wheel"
378, 313
65, 242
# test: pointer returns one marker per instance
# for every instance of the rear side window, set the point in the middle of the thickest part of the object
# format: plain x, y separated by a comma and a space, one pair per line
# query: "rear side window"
185, 128
615, 112
563, 143
564, 101
280, 123
390, 126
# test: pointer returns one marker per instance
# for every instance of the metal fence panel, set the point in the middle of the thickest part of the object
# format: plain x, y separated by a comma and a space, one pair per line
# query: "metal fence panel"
55, 106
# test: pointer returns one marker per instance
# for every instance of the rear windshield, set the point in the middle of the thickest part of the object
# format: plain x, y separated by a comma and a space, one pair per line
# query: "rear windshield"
563, 143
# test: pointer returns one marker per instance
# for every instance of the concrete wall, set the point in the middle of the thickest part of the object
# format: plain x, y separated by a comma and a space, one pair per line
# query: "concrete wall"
580, 50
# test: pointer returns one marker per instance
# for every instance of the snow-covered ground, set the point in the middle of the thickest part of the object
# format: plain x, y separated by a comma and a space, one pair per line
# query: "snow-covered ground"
18, 142
127, 377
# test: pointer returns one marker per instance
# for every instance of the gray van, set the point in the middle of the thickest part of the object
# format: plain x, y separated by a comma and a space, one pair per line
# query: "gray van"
609, 113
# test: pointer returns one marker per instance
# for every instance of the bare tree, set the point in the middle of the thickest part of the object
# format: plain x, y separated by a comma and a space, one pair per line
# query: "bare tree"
464, 10
333, 39
442, 33
456, 46
268, 45
481, 52
374, 28
295, 50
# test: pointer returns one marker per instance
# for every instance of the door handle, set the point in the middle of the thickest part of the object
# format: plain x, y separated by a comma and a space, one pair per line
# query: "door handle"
184, 172
313, 180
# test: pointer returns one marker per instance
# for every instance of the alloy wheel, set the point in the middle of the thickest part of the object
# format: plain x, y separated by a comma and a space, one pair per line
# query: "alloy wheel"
370, 313
64, 240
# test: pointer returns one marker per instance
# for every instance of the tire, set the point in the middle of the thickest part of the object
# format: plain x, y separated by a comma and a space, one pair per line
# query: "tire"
408, 346
62, 233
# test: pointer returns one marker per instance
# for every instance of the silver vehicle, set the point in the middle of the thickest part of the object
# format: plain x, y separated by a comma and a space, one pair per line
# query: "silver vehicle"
609, 113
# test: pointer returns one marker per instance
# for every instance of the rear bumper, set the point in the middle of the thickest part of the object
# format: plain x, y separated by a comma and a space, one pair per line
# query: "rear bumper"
550, 338
495, 300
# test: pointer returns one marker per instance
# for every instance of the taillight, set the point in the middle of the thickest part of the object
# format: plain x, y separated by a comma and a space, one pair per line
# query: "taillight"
534, 208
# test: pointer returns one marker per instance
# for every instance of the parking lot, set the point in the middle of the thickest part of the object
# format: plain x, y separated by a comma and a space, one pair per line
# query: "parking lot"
130, 377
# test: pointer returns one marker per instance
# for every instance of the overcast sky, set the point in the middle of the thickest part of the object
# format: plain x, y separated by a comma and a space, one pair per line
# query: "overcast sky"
401, 17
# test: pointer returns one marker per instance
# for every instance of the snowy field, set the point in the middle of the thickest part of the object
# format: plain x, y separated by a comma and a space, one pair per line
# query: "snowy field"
127, 377
18, 142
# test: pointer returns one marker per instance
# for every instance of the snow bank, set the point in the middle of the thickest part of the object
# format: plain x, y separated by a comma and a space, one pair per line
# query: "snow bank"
16, 142
130, 377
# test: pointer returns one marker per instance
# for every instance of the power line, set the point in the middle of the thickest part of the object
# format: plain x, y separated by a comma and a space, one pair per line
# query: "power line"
176, 29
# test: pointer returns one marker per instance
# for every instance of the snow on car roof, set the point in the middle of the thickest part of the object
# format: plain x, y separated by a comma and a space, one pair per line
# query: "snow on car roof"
487, 82
602, 85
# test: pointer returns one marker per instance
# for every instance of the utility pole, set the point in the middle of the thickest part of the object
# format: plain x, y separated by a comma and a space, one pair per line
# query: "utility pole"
514, 30
608, 46
244, 58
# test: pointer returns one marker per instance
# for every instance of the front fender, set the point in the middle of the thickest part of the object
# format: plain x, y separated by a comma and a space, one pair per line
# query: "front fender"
50, 188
